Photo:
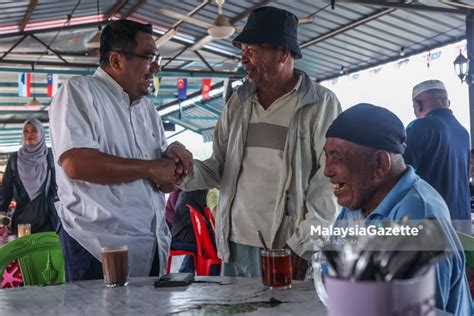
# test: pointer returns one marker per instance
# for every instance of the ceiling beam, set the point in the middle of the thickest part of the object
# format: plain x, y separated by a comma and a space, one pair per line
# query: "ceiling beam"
458, 4
51, 29
116, 8
404, 5
49, 48
13, 47
28, 14
346, 27
204, 60
133, 9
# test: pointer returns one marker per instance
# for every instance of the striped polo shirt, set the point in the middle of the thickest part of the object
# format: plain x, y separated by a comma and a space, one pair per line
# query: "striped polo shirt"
254, 203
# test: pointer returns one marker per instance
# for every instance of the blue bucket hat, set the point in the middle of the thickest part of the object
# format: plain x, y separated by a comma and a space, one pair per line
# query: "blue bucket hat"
273, 26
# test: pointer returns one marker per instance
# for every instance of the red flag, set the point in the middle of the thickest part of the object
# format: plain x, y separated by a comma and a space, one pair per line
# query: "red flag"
206, 87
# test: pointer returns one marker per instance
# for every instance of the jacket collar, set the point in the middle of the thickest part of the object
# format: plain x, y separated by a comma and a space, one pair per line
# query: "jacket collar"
307, 93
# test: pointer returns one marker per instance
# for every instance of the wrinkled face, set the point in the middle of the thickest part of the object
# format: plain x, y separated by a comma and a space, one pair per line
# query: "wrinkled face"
351, 169
31, 135
262, 63
138, 71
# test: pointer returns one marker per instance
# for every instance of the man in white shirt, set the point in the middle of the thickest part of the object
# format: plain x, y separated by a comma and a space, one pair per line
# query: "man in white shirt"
112, 158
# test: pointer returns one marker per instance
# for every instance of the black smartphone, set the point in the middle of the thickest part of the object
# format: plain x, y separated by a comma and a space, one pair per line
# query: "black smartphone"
174, 279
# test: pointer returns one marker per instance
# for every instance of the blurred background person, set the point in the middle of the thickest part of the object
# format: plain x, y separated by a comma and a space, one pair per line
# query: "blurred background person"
438, 149
30, 180
183, 230
170, 208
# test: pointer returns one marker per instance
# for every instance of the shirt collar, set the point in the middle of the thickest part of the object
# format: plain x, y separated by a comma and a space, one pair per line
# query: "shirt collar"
114, 87
392, 198
441, 111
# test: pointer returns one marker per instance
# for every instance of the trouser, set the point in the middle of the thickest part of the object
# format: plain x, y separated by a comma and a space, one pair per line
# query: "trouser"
79, 264
244, 261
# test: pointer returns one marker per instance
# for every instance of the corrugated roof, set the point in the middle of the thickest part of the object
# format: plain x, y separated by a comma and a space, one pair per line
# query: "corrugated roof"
356, 35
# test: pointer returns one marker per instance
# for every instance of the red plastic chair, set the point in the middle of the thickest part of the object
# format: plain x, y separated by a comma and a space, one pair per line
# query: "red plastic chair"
210, 216
206, 252
174, 252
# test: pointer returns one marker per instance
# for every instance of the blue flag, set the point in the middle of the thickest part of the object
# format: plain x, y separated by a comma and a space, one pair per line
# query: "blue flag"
182, 85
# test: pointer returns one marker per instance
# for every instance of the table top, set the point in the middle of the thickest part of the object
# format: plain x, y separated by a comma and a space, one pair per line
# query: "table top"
210, 295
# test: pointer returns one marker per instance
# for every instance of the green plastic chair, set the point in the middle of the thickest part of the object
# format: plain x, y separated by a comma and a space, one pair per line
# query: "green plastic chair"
467, 242
40, 257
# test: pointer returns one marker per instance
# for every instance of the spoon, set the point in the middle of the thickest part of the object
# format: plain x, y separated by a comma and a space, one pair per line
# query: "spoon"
260, 236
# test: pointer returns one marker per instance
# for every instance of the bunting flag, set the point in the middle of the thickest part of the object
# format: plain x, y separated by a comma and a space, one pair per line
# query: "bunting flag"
52, 84
206, 88
24, 84
156, 85
402, 63
436, 55
428, 60
375, 71
182, 85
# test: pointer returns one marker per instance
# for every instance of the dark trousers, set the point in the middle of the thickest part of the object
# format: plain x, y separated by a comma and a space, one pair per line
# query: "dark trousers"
79, 264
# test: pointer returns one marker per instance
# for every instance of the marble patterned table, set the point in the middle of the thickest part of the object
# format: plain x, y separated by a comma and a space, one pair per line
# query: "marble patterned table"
210, 295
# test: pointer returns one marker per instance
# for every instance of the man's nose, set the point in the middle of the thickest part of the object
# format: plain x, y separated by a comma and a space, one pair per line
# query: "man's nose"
155, 68
244, 57
328, 171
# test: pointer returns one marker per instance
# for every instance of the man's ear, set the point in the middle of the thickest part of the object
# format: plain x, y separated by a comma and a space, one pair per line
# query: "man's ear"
115, 61
285, 54
383, 163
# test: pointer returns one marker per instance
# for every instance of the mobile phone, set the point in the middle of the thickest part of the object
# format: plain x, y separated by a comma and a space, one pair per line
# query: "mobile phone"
174, 279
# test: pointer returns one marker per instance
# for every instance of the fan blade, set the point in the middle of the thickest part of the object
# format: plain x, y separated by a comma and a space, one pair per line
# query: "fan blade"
203, 41
306, 20
165, 37
184, 17
239, 28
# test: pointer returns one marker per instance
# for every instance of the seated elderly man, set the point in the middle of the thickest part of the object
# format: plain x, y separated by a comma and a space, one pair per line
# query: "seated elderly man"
364, 148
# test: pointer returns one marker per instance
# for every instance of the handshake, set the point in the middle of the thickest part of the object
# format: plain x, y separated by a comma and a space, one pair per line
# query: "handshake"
172, 168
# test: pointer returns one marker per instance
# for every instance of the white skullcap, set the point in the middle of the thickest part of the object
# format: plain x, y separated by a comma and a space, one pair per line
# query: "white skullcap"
427, 85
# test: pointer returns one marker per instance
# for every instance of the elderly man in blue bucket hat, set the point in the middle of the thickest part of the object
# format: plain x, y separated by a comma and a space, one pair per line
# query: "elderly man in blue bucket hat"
268, 153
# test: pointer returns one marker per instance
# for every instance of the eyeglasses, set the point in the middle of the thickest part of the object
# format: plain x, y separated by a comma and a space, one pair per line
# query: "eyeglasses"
152, 58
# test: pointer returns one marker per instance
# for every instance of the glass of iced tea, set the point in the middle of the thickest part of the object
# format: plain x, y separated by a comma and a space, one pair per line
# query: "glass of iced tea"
23, 230
276, 268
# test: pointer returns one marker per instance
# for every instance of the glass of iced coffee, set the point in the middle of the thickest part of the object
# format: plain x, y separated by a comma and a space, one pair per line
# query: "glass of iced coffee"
115, 265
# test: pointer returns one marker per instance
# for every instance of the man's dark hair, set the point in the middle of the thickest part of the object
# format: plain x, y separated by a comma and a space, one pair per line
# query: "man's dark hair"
120, 35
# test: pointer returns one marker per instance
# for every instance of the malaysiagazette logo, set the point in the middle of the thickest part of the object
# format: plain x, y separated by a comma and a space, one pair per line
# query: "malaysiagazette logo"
369, 230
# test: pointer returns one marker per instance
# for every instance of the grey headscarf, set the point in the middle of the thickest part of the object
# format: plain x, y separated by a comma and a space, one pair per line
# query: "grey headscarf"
32, 162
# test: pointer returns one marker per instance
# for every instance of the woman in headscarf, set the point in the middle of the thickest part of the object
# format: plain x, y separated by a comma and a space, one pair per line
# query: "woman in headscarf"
30, 180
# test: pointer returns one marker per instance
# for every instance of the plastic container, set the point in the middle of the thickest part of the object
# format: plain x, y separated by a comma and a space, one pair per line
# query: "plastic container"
369, 298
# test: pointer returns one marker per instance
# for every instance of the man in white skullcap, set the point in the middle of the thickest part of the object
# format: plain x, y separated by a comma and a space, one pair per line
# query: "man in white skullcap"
439, 151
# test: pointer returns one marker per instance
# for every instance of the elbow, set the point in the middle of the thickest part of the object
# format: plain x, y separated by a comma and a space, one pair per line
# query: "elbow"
71, 169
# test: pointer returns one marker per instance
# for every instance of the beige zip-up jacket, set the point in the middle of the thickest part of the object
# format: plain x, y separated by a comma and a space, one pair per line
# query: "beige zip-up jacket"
305, 196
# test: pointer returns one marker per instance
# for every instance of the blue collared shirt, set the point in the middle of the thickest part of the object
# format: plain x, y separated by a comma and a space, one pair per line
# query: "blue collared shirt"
414, 197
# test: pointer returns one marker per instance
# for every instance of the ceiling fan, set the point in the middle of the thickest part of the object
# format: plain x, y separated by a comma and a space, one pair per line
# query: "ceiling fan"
220, 29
